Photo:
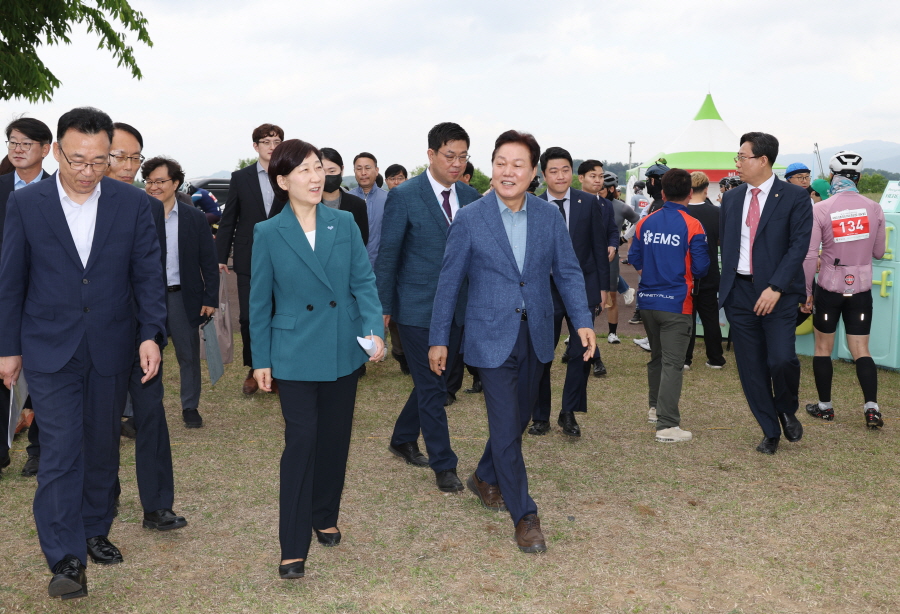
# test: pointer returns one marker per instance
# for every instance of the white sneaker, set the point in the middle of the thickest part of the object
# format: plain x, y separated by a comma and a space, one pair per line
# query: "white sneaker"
644, 343
713, 366
651, 415
673, 434
686, 368
629, 296
612, 338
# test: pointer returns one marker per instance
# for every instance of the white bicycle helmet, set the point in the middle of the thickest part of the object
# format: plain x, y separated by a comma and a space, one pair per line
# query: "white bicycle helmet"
846, 163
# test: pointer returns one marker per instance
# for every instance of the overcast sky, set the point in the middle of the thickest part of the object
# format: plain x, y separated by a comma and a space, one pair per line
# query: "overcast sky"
589, 76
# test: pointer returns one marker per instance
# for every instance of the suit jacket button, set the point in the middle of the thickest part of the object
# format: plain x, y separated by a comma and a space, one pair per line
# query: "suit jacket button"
521, 283
333, 304
518, 310
85, 282
87, 309
309, 307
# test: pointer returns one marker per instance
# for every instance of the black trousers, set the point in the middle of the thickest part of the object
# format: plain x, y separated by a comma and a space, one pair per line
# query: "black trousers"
318, 420
243, 285
577, 373
706, 305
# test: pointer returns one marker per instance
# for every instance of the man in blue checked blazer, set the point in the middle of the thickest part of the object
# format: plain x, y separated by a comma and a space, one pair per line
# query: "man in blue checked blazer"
506, 244
417, 215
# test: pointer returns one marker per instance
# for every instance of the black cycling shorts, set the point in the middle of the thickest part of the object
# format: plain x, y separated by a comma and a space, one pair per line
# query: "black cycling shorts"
855, 309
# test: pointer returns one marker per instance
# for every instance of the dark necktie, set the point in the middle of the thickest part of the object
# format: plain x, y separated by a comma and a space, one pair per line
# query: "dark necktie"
446, 206
560, 203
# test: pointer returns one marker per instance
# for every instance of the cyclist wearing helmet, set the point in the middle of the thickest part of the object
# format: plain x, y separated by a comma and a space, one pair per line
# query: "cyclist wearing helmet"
850, 229
638, 200
621, 212
654, 186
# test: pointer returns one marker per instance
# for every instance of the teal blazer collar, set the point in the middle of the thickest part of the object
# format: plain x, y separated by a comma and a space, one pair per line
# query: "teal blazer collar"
326, 229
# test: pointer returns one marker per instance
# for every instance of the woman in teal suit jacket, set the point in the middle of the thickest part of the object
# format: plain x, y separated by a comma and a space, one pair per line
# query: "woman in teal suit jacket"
313, 294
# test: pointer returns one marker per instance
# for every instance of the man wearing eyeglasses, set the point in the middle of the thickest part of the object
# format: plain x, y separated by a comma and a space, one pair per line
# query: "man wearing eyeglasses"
251, 199
765, 227
799, 174
28, 142
416, 219
80, 280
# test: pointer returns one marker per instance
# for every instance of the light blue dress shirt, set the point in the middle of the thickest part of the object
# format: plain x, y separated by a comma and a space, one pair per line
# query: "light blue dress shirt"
265, 186
20, 183
375, 200
516, 226
173, 273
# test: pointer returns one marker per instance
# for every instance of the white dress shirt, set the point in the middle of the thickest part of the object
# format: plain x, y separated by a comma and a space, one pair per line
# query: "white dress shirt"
744, 259
265, 186
82, 220
438, 188
173, 272
567, 203
311, 237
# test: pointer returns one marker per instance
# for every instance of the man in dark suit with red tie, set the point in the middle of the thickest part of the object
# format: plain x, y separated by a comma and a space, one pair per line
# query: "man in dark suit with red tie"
764, 229
250, 200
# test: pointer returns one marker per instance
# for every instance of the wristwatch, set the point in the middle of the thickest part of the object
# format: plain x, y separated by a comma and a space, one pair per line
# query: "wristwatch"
776, 289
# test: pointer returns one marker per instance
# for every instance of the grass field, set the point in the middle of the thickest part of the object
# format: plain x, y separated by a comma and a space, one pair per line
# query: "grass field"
632, 525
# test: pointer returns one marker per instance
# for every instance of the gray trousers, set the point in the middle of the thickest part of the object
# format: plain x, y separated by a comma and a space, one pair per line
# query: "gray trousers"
186, 339
669, 335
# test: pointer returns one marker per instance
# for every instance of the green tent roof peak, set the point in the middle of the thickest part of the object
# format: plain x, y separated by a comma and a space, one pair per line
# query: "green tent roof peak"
708, 110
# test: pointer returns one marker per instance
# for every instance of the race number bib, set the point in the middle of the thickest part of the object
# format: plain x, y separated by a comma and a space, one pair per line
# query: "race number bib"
850, 225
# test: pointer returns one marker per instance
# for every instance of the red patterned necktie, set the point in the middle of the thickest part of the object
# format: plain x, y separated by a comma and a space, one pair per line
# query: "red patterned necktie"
753, 220
446, 206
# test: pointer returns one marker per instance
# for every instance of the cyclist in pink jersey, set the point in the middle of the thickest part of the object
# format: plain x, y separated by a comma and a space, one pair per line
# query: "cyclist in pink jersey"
850, 229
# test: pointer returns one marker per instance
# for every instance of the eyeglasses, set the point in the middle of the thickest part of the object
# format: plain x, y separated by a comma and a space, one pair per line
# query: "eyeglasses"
801, 177
159, 182
121, 159
743, 159
97, 167
269, 143
25, 145
451, 157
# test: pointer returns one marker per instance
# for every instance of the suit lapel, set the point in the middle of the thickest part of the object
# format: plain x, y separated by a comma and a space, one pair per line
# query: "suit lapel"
52, 211
326, 231
106, 213
253, 178
495, 223
183, 233
737, 217
431, 203
772, 201
293, 235
535, 220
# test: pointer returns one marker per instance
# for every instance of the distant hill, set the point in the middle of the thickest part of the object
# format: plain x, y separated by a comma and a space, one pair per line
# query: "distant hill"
876, 154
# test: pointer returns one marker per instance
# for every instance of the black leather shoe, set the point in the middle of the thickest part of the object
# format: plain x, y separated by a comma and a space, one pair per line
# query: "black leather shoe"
102, 551
476, 387
793, 430
69, 579
569, 424
192, 418
328, 539
31, 466
447, 481
163, 520
292, 570
539, 427
410, 453
451, 399
598, 368
768, 445
404, 365
128, 429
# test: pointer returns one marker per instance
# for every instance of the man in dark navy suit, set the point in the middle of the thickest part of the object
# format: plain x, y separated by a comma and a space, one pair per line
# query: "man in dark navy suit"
764, 230
28, 141
595, 237
417, 216
250, 200
80, 251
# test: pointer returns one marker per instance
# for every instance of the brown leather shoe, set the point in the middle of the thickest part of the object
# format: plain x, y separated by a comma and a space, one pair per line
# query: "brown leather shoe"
250, 385
488, 493
274, 387
529, 536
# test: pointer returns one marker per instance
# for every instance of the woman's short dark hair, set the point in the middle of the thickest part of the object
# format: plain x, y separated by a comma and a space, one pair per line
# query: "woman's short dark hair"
396, 169
523, 138
332, 156
172, 167
762, 144
286, 157
676, 183
86, 120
